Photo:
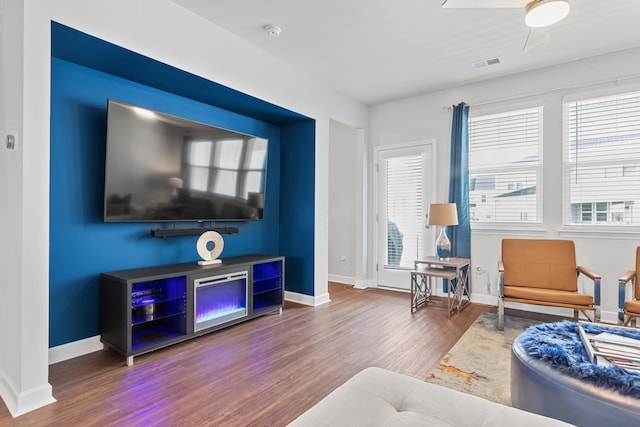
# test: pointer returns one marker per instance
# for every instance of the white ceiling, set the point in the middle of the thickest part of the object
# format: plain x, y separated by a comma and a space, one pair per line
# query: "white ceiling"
379, 50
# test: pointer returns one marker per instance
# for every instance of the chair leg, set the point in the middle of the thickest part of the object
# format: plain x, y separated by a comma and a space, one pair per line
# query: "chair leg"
576, 315
596, 315
629, 321
500, 314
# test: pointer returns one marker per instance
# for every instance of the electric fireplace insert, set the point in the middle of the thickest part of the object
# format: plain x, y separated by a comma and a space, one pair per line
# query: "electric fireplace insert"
220, 299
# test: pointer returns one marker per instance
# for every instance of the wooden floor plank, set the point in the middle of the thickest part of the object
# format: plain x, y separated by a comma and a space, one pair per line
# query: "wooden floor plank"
264, 372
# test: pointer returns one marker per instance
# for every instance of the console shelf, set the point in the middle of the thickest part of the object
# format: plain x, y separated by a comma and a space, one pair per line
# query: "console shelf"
145, 309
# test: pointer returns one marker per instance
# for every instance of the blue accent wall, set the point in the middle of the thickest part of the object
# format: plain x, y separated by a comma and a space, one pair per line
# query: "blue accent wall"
83, 49
297, 205
82, 245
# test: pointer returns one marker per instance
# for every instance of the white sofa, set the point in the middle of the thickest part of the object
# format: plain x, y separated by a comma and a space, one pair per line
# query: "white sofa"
377, 397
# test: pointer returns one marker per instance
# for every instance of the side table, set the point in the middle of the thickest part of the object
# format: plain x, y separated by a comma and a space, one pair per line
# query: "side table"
452, 270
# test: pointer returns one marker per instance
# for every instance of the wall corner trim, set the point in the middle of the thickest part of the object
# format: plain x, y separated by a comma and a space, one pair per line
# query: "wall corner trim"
25, 401
307, 299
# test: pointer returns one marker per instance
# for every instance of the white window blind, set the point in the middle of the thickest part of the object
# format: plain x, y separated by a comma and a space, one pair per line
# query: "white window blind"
405, 211
505, 167
602, 160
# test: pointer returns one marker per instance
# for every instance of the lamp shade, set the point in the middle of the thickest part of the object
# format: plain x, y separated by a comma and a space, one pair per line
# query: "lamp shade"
175, 182
442, 214
541, 13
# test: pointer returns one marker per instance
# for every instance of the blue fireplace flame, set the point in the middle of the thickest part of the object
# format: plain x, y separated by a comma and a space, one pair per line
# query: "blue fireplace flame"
220, 302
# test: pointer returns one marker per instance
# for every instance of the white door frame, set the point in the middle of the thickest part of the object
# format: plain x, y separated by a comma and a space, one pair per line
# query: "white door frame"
429, 188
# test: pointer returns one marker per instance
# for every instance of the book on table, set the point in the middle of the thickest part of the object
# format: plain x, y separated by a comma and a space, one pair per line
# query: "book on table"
610, 348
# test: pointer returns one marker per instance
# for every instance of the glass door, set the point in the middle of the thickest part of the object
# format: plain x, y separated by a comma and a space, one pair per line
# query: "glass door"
405, 176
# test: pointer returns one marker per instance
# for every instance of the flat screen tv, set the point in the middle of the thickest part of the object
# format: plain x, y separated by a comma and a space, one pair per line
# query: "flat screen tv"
161, 168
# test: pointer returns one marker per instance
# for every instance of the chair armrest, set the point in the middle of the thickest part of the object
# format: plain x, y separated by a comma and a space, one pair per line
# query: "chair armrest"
596, 283
628, 276
622, 288
501, 279
588, 273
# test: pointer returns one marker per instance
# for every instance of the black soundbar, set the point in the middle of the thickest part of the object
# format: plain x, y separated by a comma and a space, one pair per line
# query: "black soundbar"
170, 232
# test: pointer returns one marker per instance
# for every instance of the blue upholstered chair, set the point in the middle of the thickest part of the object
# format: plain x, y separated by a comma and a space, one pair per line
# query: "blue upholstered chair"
629, 296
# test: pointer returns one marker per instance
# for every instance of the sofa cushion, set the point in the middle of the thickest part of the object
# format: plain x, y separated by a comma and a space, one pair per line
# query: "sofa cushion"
548, 295
377, 397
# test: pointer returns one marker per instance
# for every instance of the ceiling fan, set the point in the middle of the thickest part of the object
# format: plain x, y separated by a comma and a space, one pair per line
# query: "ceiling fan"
539, 15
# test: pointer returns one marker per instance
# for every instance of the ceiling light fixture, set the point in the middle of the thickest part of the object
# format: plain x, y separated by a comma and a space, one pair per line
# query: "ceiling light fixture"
541, 13
273, 30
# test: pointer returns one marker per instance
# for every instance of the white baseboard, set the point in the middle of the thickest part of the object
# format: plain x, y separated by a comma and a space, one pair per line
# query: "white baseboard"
484, 299
609, 316
26, 401
362, 284
347, 280
74, 349
306, 299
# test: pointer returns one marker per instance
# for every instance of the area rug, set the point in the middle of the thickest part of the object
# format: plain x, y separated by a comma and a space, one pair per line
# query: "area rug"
480, 362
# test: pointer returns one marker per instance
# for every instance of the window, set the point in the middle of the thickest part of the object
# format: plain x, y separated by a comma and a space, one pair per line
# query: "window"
405, 209
505, 167
605, 212
601, 158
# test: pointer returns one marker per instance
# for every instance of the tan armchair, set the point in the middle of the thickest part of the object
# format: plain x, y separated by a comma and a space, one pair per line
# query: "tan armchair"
629, 302
544, 272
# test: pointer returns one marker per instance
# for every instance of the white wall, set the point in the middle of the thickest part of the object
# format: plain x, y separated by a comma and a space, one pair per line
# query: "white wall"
24, 215
161, 30
422, 117
11, 66
343, 208
348, 239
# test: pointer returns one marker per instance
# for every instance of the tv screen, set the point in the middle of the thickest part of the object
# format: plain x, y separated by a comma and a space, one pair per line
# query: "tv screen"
161, 167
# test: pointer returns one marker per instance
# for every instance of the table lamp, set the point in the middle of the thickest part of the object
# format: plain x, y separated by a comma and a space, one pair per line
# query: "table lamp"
443, 214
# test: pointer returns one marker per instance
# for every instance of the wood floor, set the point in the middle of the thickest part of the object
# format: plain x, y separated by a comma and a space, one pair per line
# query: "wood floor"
264, 372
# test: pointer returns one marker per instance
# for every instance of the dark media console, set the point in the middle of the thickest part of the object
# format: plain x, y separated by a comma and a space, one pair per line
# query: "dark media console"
145, 309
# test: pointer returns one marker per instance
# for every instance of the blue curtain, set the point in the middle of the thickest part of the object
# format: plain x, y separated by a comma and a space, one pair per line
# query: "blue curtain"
460, 234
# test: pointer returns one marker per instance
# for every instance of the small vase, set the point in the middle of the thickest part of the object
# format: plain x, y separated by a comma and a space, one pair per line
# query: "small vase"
443, 245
